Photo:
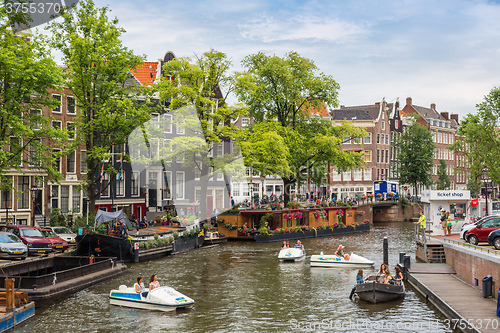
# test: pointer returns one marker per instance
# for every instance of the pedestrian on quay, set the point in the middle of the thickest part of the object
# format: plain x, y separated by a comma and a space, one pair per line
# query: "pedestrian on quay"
443, 222
422, 221
449, 224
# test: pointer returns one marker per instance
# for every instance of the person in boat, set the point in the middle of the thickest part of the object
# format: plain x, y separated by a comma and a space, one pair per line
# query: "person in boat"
340, 253
388, 278
139, 287
382, 269
153, 282
285, 245
300, 246
398, 275
359, 277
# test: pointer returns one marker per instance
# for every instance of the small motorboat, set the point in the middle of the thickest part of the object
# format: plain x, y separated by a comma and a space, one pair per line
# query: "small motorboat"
215, 237
373, 291
292, 254
354, 261
162, 299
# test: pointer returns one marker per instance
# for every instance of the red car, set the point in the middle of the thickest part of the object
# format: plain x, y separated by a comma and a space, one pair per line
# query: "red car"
58, 244
481, 231
32, 237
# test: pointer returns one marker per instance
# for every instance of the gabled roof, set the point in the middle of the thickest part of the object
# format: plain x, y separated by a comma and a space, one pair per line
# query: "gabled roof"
146, 73
322, 111
427, 113
351, 114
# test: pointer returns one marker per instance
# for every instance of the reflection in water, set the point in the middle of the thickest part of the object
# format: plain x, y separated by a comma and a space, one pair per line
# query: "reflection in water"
241, 286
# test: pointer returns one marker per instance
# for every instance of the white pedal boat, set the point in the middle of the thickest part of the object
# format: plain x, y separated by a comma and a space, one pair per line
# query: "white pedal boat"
162, 299
354, 261
292, 254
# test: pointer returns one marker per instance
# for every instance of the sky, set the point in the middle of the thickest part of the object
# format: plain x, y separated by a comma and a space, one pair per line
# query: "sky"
444, 52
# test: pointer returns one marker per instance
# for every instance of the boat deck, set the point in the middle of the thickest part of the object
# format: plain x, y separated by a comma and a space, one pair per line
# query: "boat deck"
461, 303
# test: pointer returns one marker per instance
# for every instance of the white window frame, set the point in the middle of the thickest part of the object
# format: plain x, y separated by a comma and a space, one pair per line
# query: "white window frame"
382, 124
180, 185
167, 125
167, 195
120, 185
82, 161
60, 103
74, 130
68, 161
136, 177
368, 140
367, 174
67, 104
346, 175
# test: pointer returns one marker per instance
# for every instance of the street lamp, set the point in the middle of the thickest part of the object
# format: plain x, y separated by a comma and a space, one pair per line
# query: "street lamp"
485, 177
145, 188
33, 191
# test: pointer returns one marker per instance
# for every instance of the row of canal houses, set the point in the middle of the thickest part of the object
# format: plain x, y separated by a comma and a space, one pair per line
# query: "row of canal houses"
148, 191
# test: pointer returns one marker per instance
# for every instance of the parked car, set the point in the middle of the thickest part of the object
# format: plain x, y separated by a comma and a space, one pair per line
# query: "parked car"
66, 234
468, 226
11, 247
482, 230
32, 237
58, 244
494, 239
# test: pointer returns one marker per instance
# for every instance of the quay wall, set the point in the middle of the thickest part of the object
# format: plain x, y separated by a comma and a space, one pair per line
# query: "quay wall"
470, 264
395, 213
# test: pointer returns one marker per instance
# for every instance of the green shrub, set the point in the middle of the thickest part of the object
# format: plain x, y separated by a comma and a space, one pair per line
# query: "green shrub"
156, 236
176, 234
170, 239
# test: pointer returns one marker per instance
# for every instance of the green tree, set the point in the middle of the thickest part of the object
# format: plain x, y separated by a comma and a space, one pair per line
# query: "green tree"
479, 139
27, 71
283, 94
415, 155
98, 74
203, 86
443, 181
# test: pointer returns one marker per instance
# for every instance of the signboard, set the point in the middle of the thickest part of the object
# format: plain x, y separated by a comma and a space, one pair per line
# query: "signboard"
405, 188
449, 195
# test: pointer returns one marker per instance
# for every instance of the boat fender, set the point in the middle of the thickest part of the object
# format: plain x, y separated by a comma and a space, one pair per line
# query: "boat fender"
352, 293
91, 259
321, 253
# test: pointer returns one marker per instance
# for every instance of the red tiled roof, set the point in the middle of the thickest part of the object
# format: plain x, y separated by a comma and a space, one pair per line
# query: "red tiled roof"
146, 73
321, 112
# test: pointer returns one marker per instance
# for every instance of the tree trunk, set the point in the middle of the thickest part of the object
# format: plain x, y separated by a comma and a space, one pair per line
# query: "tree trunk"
287, 183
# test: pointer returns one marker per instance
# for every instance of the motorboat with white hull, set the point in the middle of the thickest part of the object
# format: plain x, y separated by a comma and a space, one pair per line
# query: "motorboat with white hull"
161, 299
376, 292
334, 261
292, 254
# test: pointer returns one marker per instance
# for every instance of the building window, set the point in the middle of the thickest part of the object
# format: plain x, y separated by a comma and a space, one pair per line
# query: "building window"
378, 137
23, 193
220, 149
76, 200
368, 156
71, 130
167, 183
70, 162
54, 196
70, 105
219, 199
57, 124
120, 184
246, 191
236, 189
83, 161
336, 176
245, 121
105, 185
167, 123
387, 156
179, 185
382, 125
346, 175
135, 183
378, 155
357, 174
33, 153
367, 175
64, 198
368, 139
57, 159
180, 128
57, 98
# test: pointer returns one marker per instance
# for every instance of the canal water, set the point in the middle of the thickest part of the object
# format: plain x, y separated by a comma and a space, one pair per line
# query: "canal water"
241, 287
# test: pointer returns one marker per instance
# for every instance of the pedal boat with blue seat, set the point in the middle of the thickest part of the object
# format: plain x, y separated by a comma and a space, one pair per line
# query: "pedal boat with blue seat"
160, 299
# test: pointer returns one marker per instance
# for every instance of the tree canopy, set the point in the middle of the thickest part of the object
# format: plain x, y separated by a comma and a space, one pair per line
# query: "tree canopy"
415, 155
284, 96
443, 181
27, 71
98, 74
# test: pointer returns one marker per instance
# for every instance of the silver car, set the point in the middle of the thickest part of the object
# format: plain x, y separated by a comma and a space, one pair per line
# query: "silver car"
11, 247
66, 234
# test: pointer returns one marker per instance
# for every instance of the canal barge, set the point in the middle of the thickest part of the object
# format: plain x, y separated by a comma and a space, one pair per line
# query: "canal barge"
45, 280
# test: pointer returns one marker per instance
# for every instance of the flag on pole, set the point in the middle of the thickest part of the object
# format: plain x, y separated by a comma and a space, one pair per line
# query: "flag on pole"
102, 170
120, 176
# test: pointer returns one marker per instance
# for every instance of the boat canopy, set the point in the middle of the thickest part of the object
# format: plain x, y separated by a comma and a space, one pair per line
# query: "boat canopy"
102, 216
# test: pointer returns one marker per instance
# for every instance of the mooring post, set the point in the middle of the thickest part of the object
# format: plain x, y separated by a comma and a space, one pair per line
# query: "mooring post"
136, 252
9, 295
386, 251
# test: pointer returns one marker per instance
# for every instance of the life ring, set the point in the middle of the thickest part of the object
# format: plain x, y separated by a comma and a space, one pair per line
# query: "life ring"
91, 259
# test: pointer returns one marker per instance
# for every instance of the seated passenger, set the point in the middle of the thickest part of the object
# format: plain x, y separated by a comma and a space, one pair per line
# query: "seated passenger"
388, 278
339, 253
285, 245
153, 282
382, 269
398, 276
300, 246
139, 287
359, 277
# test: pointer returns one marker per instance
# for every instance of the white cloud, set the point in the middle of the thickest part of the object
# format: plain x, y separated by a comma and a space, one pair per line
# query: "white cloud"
269, 29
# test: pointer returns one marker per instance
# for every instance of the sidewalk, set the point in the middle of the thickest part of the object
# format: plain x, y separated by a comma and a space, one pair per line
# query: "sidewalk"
465, 306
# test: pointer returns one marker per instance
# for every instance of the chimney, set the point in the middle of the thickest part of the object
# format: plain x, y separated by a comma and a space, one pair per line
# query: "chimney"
408, 101
377, 103
445, 115
342, 106
454, 116
433, 106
